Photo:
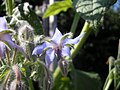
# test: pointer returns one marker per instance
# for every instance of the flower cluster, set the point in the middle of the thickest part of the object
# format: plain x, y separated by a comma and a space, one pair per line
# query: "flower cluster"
57, 46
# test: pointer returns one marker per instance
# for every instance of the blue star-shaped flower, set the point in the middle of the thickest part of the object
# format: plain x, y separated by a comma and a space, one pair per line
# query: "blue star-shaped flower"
57, 46
5, 38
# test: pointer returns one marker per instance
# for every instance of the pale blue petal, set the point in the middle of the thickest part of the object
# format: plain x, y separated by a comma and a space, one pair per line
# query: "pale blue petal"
57, 36
8, 39
72, 41
66, 51
38, 50
2, 49
5, 37
3, 24
49, 57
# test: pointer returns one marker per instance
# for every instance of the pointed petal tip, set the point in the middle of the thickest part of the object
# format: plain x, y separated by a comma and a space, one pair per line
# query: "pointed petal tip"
57, 36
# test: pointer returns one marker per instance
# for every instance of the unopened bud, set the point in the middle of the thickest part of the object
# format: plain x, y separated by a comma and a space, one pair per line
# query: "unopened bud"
17, 84
17, 72
26, 38
63, 64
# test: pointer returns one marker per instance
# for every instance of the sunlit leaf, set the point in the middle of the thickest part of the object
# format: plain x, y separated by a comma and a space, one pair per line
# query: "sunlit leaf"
57, 7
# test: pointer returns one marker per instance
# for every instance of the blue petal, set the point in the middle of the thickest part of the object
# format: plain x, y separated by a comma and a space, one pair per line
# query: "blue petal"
72, 41
2, 49
57, 36
3, 24
49, 57
8, 39
66, 51
38, 50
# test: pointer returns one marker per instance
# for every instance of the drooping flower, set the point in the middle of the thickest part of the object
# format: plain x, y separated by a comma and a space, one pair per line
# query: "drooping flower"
58, 45
5, 38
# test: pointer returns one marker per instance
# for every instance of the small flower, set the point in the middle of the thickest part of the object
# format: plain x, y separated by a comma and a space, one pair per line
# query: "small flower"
59, 45
5, 38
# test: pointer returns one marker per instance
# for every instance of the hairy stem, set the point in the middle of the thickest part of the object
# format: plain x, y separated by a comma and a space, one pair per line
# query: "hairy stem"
9, 6
14, 56
8, 57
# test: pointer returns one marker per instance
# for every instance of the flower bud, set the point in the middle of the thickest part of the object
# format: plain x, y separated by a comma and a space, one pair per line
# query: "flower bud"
26, 38
16, 84
63, 64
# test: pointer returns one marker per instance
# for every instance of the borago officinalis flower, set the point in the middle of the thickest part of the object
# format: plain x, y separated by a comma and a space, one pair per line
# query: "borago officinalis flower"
58, 46
5, 38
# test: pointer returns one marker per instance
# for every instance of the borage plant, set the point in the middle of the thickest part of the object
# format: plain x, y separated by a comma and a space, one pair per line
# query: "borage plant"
30, 70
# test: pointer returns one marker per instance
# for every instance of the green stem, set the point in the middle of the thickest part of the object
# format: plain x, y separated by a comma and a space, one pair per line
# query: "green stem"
108, 80
14, 56
115, 79
87, 31
30, 84
8, 57
75, 23
57, 72
118, 56
9, 6
108, 84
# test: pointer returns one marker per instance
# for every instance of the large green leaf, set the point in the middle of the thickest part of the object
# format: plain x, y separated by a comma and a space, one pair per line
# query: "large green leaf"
85, 81
57, 7
92, 10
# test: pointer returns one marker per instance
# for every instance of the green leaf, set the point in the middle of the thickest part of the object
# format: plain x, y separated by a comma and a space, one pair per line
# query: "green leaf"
92, 10
85, 81
57, 7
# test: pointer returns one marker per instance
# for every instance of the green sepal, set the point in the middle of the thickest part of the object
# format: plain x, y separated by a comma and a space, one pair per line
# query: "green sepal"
7, 31
67, 35
70, 45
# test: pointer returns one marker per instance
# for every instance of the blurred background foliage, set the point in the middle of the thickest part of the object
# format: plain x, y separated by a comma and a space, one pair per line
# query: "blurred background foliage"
94, 55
